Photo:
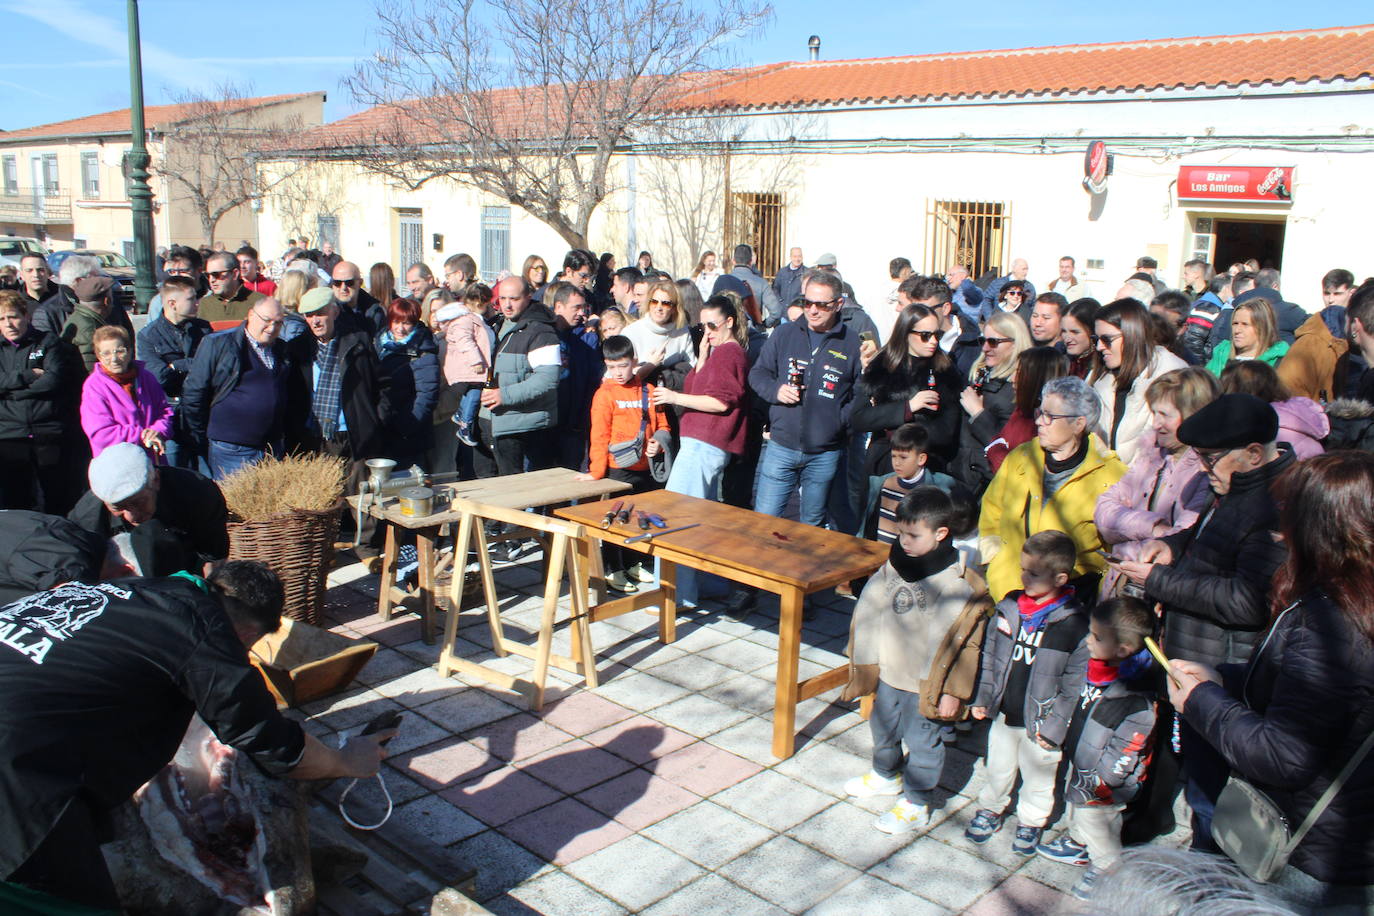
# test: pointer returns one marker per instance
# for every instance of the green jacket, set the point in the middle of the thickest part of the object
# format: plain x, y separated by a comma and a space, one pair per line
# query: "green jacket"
1222, 355
81, 327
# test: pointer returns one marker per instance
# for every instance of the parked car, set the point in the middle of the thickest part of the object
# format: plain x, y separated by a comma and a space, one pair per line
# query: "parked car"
14, 247
112, 264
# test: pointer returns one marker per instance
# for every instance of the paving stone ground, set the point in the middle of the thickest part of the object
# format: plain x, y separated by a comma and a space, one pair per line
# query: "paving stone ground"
657, 793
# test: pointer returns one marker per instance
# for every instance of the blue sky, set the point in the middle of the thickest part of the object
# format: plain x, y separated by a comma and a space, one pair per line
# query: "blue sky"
67, 58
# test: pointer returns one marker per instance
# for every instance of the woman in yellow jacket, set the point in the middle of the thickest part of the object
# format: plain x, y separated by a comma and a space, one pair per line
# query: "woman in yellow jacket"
1050, 483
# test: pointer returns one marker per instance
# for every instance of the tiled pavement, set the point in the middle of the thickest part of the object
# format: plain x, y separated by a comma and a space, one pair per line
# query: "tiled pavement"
657, 793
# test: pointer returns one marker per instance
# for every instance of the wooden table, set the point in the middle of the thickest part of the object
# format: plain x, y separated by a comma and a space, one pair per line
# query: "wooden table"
533, 490
787, 558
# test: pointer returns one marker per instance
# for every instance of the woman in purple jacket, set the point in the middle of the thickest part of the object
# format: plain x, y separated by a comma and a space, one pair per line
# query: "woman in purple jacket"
121, 401
1164, 488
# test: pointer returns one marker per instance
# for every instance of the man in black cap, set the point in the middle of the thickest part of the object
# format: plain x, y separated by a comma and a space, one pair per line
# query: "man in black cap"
1213, 578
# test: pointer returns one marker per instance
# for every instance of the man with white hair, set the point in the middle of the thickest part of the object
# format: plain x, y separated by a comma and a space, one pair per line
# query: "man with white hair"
51, 317
1138, 290
1020, 270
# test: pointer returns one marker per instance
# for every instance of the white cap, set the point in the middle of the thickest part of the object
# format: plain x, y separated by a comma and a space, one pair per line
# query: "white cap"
450, 311
119, 472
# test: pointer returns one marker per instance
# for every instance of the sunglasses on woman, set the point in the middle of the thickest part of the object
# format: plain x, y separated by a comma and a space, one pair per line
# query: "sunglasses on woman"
926, 336
993, 341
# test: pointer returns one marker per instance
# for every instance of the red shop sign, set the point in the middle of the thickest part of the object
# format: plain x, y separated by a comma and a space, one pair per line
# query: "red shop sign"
1266, 183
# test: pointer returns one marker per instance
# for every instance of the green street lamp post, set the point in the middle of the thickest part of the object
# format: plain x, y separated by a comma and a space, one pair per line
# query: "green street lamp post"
140, 193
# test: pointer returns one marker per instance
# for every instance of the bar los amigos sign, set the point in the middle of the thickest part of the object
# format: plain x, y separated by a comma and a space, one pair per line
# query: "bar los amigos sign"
1258, 183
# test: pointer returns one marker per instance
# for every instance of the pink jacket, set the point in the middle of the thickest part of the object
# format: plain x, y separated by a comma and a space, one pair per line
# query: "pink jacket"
1302, 424
109, 417
1124, 517
468, 341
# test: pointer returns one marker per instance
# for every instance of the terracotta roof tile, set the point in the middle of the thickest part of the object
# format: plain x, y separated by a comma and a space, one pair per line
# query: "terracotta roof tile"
116, 121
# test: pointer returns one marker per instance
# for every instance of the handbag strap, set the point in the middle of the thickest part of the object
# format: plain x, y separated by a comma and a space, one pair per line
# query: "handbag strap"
1329, 794
643, 408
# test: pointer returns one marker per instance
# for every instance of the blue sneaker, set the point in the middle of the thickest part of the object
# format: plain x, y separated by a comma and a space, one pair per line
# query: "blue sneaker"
984, 824
1026, 839
1066, 850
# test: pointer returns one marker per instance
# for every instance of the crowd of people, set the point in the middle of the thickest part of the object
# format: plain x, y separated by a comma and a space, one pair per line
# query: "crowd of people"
1059, 478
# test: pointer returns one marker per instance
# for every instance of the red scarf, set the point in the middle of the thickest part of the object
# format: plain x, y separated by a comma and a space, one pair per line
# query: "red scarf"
126, 379
1101, 673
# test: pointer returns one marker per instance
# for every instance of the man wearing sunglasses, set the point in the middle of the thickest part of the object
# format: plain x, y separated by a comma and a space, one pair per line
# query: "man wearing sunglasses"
229, 299
359, 310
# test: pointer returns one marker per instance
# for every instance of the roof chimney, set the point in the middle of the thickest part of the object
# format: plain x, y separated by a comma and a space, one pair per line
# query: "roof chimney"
814, 43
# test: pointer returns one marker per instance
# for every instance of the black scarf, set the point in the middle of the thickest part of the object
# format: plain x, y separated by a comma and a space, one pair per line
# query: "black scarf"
912, 569
1054, 466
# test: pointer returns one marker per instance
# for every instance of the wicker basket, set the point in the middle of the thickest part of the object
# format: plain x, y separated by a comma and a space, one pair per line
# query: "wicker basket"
299, 547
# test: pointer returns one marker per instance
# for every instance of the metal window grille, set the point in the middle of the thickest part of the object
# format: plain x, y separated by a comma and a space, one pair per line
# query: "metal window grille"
412, 233
327, 230
976, 234
128, 250
495, 243
90, 175
759, 220
11, 175
51, 187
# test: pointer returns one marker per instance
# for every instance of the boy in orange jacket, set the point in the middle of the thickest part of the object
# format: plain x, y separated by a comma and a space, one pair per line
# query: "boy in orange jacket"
624, 421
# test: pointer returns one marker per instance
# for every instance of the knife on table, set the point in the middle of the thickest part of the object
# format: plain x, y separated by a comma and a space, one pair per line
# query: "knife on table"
610, 516
653, 534
624, 515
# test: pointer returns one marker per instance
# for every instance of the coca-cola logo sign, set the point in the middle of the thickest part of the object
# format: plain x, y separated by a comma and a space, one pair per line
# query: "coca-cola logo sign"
1258, 183
1097, 165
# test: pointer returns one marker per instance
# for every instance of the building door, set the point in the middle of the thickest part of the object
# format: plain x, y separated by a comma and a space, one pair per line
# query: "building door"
327, 230
410, 243
759, 220
1239, 239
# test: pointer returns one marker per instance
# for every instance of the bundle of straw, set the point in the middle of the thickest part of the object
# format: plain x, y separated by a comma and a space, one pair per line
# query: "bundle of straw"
279, 486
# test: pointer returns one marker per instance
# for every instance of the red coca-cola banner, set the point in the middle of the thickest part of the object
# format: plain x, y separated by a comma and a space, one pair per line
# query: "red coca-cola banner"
1267, 183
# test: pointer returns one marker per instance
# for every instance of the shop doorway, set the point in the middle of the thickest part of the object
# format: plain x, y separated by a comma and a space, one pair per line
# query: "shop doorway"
1239, 239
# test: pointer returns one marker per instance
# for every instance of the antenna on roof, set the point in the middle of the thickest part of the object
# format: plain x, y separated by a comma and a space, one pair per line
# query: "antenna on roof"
814, 44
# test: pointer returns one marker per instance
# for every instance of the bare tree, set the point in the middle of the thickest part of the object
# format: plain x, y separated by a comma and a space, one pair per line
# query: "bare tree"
208, 152
306, 191
529, 100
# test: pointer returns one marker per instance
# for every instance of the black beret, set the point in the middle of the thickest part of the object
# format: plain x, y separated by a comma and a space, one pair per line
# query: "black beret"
730, 283
1231, 421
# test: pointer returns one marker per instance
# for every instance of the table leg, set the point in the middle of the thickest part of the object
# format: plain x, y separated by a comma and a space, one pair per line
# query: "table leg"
389, 552
460, 560
789, 654
667, 616
424, 548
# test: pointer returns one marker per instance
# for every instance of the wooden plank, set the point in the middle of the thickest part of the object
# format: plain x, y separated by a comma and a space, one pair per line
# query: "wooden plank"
789, 652
826, 680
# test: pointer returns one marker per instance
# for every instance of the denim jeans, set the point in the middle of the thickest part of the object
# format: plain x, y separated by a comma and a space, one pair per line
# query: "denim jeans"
782, 470
697, 471
226, 457
897, 721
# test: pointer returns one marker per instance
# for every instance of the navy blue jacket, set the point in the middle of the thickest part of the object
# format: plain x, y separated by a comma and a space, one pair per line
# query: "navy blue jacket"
578, 378
166, 349
819, 422
214, 373
411, 372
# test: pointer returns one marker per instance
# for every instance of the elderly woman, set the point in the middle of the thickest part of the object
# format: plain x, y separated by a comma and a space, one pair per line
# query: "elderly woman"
1131, 360
1034, 368
989, 399
1300, 711
1052, 482
663, 345
1165, 487
1254, 335
121, 401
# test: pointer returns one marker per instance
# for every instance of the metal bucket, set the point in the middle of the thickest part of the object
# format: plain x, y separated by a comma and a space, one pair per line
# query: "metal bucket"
416, 502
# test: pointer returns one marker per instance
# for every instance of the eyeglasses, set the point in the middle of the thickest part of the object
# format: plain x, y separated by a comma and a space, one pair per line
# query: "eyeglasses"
1108, 339
827, 306
1015, 292
218, 274
267, 322
1048, 418
1210, 460
993, 342
926, 336
348, 283
178, 271
118, 351
668, 303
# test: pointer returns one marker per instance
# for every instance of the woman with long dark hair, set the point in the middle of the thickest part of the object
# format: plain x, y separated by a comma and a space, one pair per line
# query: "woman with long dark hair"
1131, 360
1034, 368
910, 380
381, 282
1305, 703
1076, 334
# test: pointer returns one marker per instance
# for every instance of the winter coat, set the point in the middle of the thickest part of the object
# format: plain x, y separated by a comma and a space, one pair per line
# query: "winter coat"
363, 395
675, 342
1015, 508
410, 371
1061, 658
934, 651
1292, 721
216, 308
40, 551
109, 416
579, 373
1112, 757
787, 285
1221, 355
881, 406
167, 349
1197, 330
820, 421
1136, 414
771, 308
81, 327
618, 411
1156, 488
1303, 425
51, 316
1352, 424
993, 294
1214, 593
859, 321
365, 315
971, 466
215, 372
38, 405
1308, 369
527, 362
468, 354
966, 349
1018, 430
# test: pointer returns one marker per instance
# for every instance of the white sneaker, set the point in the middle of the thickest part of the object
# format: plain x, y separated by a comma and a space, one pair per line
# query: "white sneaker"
903, 817
871, 784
